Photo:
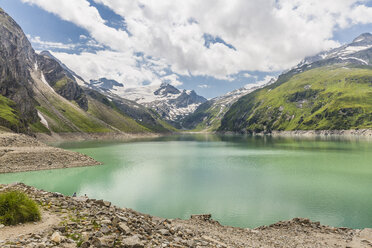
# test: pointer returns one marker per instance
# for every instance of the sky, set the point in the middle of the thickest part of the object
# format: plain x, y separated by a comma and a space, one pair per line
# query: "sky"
211, 46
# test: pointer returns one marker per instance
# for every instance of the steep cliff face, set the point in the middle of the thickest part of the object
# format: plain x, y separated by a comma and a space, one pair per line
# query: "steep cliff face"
16, 58
38, 93
63, 82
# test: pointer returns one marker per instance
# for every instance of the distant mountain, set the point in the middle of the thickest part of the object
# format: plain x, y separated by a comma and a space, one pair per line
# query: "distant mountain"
329, 91
104, 84
208, 116
357, 52
68, 71
38, 93
168, 101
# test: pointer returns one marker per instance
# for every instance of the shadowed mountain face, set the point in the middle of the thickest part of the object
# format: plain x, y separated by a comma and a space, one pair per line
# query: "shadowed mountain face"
329, 91
38, 93
61, 79
16, 59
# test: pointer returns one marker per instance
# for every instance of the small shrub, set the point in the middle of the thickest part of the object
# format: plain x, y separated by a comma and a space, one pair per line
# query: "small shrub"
16, 207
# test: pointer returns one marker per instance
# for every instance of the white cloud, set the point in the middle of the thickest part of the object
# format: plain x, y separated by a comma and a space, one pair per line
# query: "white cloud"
266, 80
269, 35
247, 75
203, 86
43, 45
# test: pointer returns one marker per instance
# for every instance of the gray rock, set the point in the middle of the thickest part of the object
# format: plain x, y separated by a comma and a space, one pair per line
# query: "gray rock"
164, 232
132, 242
123, 228
56, 237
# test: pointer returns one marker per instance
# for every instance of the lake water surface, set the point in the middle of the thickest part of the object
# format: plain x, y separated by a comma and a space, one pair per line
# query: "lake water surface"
242, 181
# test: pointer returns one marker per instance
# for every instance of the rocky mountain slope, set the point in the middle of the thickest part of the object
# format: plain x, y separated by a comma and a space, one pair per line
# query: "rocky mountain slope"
40, 94
208, 116
330, 91
169, 102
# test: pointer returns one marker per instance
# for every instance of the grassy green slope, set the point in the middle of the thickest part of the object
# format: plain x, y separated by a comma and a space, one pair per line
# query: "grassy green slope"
114, 118
207, 117
326, 98
8, 115
65, 116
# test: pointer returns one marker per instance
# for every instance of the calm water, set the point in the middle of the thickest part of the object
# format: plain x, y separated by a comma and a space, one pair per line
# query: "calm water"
244, 182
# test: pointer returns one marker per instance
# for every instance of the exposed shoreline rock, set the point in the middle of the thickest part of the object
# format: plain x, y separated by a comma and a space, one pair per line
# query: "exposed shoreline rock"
19, 152
88, 222
74, 137
310, 133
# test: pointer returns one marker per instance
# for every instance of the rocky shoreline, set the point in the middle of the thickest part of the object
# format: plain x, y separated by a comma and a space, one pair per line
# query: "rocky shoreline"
19, 152
324, 133
83, 222
310, 133
74, 137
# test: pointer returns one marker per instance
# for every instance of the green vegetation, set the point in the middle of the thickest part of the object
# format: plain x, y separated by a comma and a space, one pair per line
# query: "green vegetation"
326, 98
207, 117
59, 84
65, 116
9, 116
112, 117
16, 207
38, 127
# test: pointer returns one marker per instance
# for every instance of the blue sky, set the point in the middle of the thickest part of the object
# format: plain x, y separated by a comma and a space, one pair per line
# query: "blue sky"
192, 50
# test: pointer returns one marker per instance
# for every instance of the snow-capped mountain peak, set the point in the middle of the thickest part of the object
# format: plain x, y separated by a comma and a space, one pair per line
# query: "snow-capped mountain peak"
355, 52
168, 101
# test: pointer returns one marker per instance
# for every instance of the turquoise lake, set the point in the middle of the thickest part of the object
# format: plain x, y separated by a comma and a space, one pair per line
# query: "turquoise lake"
241, 181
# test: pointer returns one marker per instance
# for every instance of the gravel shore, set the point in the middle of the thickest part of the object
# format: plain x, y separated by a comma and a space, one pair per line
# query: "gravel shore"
19, 152
83, 222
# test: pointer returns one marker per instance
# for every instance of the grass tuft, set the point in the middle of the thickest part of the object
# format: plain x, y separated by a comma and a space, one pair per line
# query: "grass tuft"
16, 207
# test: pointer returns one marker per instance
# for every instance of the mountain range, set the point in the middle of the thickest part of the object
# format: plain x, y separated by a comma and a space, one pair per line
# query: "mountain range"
168, 101
329, 91
40, 94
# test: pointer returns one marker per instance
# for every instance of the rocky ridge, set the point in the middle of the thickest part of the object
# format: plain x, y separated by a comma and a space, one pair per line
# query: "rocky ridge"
166, 100
85, 222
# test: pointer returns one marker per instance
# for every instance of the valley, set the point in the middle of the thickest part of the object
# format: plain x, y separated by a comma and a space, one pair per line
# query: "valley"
150, 162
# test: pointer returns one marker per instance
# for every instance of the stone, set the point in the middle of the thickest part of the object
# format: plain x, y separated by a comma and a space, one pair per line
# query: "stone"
1, 226
203, 217
123, 228
132, 242
212, 240
56, 237
105, 229
164, 232
366, 234
86, 244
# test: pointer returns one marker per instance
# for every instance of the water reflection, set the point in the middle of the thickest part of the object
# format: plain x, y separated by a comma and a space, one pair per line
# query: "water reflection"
242, 181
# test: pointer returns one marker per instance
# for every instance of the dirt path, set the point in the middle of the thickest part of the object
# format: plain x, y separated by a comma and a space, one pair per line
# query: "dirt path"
48, 220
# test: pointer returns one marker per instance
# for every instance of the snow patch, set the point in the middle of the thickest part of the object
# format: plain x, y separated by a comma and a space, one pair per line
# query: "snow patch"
42, 77
79, 81
42, 119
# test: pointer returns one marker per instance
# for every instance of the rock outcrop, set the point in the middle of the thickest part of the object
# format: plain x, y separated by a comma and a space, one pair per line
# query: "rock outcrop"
63, 82
16, 58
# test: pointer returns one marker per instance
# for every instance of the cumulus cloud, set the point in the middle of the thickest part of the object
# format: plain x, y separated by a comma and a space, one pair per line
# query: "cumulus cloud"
262, 35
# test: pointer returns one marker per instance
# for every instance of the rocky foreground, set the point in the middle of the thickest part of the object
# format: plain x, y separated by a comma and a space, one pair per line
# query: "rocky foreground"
19, 152
83, 222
